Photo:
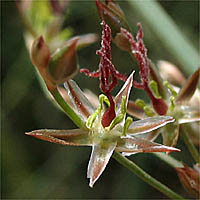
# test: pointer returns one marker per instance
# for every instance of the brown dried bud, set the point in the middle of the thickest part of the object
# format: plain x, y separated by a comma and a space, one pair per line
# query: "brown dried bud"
40, 53
112, 14
122, 42
189, 177
40, 56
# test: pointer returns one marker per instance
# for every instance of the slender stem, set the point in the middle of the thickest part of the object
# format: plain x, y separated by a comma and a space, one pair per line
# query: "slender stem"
67, 109
168, 159
145, 176
190, 146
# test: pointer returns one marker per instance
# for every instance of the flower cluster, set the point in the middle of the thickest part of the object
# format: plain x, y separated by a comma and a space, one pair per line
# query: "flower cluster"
106, 127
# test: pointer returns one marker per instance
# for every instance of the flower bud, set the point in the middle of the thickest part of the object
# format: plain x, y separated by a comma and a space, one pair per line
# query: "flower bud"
40, 53
40, 56
112, 14
63, 64
122, 42
189, 177
188, 89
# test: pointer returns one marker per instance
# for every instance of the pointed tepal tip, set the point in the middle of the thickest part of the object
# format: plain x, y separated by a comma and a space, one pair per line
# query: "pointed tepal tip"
132, 73
33, 133
28, 133
91, 182
171, 149
129, 81
40, 42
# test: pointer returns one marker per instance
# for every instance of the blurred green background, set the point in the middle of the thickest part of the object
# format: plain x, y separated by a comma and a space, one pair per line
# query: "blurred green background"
31, 168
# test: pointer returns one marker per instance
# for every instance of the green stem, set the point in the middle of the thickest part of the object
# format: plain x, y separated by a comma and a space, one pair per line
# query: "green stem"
67, 109
190, 146
168, 159
145, 176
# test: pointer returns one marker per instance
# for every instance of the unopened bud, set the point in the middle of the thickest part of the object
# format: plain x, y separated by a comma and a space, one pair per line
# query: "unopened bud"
112, 14
63, 64
40, 56
40, 53
122, 42
188, 89
189, 177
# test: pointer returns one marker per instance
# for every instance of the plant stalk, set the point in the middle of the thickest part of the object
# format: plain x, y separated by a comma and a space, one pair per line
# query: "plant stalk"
67, 109
190, 146
145, 176
168, 159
